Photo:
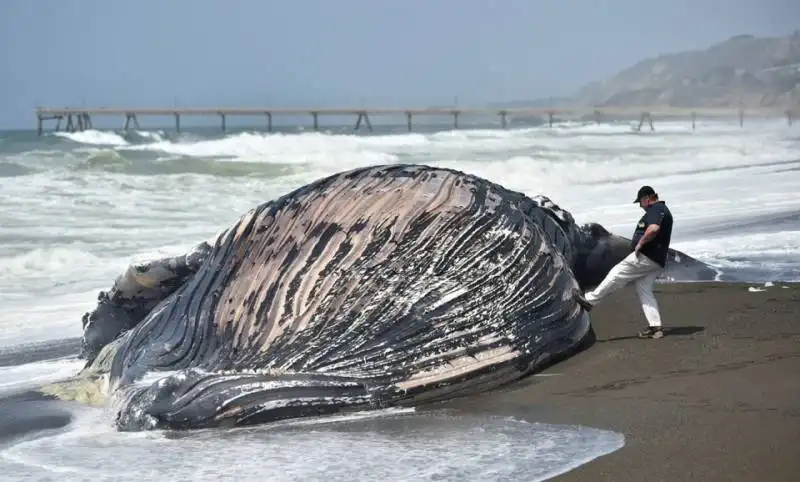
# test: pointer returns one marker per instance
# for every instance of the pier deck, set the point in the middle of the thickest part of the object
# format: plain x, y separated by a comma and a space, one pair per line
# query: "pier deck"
80, 118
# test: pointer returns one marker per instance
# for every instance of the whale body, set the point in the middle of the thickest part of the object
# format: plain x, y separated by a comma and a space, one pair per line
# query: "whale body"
382, 286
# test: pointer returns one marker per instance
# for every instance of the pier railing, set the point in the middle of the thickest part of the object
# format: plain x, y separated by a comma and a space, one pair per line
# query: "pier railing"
80, 118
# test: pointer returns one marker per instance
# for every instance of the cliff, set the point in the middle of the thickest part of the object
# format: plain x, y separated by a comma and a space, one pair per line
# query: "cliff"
758, 72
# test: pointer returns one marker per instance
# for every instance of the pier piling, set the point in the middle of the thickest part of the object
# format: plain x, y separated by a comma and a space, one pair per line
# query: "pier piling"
645, 117
130, 117
363, 117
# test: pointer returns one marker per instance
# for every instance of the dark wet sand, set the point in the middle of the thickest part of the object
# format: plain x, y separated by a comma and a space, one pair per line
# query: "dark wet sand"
717, 399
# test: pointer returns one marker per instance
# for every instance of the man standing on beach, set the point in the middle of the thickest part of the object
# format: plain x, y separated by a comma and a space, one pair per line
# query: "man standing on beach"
650, 245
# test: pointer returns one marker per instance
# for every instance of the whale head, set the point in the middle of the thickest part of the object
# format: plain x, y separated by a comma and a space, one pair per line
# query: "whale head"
599, 250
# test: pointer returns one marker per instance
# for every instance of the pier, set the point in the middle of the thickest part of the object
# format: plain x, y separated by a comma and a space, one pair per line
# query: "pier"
80, 118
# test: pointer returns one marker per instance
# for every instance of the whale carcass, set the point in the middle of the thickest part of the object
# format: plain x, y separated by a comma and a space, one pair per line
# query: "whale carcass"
382, 286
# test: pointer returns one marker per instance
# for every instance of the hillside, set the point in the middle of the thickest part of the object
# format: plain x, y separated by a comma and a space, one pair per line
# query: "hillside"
759, 72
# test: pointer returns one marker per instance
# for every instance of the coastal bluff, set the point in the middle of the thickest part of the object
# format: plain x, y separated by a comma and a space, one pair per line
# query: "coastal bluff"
744, 70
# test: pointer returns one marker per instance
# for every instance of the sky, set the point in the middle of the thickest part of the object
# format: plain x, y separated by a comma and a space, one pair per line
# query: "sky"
329, 53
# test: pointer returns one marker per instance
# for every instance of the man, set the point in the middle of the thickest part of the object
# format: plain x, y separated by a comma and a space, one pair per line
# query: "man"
644, 264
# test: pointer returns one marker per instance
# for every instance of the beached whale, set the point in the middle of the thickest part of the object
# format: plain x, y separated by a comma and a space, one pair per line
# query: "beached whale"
382, 286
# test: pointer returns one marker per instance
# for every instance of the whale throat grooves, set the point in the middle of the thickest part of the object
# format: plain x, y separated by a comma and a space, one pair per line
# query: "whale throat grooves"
383, 286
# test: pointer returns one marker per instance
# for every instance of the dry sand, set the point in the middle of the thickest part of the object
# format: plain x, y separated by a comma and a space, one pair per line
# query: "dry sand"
717, 399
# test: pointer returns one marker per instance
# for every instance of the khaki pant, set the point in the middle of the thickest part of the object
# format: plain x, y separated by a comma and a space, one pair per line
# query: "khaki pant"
643, 272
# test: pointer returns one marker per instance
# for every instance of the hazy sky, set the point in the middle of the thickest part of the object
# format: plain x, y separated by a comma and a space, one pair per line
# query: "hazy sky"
343, 52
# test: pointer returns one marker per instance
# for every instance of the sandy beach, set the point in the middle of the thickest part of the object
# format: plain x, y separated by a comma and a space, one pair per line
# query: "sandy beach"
717, 399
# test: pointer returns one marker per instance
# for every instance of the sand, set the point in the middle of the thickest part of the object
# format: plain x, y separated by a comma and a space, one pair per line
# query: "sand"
717, 399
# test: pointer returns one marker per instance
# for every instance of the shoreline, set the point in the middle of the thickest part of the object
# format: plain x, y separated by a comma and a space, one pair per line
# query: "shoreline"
716, 399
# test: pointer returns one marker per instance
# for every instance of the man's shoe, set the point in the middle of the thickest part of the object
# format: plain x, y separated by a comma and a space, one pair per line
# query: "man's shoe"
652, 332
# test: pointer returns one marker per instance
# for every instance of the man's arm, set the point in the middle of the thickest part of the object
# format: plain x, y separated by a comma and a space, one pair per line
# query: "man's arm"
649, 234
653, 220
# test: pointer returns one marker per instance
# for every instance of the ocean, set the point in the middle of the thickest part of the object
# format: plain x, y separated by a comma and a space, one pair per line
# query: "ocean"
76, 208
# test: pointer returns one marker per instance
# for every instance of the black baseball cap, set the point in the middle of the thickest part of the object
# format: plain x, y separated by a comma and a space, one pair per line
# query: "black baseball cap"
644, 191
